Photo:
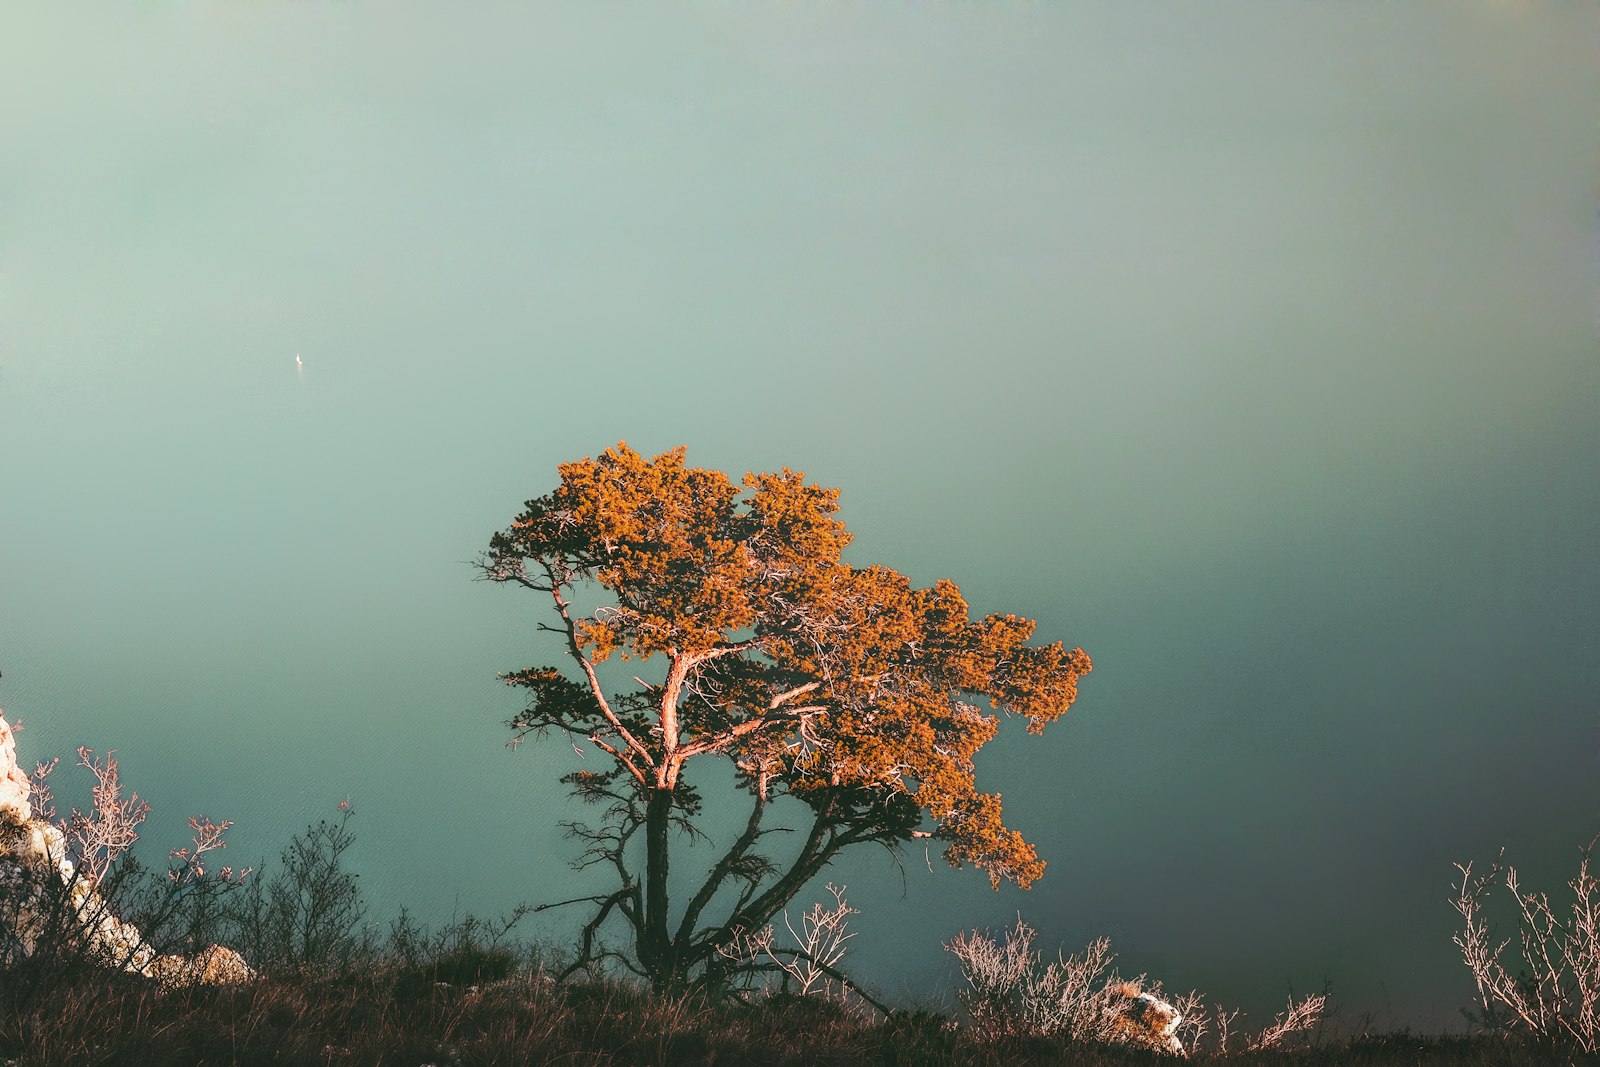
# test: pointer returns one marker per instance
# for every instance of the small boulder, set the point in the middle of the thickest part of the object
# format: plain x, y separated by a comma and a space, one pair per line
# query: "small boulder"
216, 965
1144, 1019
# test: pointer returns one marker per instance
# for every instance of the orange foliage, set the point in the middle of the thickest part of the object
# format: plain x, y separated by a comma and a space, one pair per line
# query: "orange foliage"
843, 686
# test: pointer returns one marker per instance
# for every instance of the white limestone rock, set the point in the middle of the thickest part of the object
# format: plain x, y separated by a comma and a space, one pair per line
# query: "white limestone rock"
216, 965
14, 785
34, 852
1144, 1019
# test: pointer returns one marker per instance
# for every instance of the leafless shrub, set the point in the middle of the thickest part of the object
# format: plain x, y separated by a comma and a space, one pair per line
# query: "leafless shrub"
1199, 1022
1556, 998
100, 836
813, 966
1297, 1018
41, 799
1227, 1020
1214, 1030
187, 909
1011, 991
306, 917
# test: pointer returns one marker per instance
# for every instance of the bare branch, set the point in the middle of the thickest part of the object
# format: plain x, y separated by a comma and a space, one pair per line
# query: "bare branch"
101, 835
1556, 995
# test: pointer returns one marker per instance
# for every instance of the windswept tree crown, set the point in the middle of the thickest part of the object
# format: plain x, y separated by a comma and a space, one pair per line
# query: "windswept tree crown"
844, 687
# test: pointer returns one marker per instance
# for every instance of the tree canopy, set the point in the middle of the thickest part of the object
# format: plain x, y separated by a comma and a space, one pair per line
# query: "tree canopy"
843, 687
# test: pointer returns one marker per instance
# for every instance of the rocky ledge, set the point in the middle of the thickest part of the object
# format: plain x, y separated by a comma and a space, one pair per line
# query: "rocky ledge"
39, 886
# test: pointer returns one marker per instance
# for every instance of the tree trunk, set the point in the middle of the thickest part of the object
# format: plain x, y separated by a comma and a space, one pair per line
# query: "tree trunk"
657, 951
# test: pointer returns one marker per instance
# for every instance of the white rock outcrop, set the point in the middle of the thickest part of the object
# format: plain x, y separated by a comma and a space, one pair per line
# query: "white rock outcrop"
1144, 1019
36, 879
14, 785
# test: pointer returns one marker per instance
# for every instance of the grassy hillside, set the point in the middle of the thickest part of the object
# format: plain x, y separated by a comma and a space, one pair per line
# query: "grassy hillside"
402, 1017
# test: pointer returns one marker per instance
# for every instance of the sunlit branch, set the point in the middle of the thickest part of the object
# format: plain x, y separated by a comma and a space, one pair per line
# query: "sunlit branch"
724, 738
619, 756
837, 975
594, 682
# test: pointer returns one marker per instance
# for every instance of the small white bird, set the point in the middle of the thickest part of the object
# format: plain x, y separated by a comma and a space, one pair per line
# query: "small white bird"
298, 362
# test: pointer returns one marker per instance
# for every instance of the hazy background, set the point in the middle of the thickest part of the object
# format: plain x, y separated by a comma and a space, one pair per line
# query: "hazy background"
1250, 346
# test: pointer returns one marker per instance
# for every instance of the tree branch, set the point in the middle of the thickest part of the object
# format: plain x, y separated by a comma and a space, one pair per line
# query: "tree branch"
750, 726
724, 867
820, 846
586, 952
837, 975
588, 670
620, 756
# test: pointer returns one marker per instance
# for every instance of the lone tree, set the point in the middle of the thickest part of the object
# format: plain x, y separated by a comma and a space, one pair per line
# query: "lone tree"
843, 688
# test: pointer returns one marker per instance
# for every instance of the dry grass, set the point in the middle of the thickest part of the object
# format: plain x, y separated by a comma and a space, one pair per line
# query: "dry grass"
376, 1019
466, 995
